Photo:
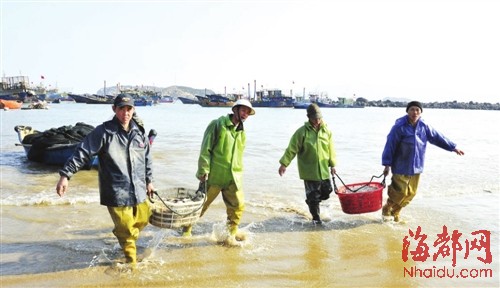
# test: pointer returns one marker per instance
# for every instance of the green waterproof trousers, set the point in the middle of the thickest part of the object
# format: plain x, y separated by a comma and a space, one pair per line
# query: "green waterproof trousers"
234, 201
129, 221
401, 191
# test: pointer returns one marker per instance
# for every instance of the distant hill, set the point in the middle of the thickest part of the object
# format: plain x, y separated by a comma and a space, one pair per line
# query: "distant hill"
174, 91
395, 99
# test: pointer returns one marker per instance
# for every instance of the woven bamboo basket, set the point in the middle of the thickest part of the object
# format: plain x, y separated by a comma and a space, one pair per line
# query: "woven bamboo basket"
177, 207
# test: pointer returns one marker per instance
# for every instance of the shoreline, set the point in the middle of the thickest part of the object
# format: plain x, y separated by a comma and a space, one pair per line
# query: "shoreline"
437, 105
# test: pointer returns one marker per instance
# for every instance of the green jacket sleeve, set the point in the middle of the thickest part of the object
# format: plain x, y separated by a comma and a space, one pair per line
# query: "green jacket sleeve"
332, 161
294, 146
209, 139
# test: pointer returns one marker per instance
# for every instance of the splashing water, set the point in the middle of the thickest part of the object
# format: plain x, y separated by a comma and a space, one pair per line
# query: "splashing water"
102, 258
157, 239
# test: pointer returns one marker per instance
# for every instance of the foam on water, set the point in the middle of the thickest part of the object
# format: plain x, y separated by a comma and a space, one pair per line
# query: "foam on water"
48, 198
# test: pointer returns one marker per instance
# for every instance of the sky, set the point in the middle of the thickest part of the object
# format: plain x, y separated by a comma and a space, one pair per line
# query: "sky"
426, 50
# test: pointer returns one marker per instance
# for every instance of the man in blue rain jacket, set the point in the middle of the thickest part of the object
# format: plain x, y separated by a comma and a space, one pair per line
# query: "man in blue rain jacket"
404, 154
125, 172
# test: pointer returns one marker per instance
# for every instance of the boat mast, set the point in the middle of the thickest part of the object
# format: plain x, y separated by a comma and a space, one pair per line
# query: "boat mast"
254, 89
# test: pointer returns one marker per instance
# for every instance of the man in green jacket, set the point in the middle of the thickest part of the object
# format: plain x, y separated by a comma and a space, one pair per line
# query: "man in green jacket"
221, 163
313, 143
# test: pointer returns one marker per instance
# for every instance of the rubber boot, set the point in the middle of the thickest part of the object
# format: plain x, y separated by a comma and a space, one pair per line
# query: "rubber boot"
314, 209
387, 209
395, 212
130, 251
186, 231
232, 229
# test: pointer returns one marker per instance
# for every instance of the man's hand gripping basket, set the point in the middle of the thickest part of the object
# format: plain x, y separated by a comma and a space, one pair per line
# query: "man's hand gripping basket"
178, 207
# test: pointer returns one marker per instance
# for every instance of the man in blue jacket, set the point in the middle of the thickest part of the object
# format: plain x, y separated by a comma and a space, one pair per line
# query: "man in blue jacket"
404, 154
125, 172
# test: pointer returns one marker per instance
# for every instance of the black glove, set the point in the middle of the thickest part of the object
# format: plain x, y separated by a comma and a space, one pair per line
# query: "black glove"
200, 193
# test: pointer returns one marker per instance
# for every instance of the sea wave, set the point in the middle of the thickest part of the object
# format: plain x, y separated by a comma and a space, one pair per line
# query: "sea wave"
47, 198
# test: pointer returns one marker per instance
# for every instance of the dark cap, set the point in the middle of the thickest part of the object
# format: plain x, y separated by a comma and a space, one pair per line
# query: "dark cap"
313, 111
414, 103
123, 100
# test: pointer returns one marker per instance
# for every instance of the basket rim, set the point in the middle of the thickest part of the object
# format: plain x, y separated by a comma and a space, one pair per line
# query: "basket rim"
364, 183
343, 189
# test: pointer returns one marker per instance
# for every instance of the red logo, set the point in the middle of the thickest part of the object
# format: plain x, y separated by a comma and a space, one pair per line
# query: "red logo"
447, 245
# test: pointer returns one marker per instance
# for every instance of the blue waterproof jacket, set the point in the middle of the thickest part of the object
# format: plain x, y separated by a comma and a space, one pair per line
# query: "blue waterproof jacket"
405, 147
125, 162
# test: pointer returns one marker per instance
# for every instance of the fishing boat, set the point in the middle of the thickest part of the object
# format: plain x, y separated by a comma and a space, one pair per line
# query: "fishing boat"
185, 100
92, 98
20, 88
166, 99
63, 99
53, 146
100, 99
143, 101
301, 104
79, 98
14, 88
10, 104
273, 99
215, 100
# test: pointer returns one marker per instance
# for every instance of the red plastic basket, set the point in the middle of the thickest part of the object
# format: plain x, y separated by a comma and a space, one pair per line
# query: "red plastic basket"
365, 199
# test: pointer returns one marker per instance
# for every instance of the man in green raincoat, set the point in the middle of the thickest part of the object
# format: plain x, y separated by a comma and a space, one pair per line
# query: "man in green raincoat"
313, 145
220, 164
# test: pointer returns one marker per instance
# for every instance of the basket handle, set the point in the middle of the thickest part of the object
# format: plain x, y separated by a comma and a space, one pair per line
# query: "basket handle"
335, 184
354, 191
183, 214
150, 197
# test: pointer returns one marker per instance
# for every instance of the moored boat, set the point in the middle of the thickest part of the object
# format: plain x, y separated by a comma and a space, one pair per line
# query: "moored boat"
100, 99
79, 98
301, 104
185, 100
15, 88
166, 99
143, 101
273, 99
10, 104
215, 100
92, 98
21, 88
65, 99
53, 146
